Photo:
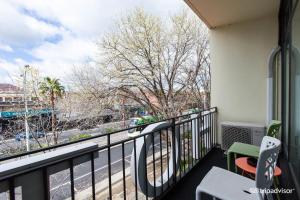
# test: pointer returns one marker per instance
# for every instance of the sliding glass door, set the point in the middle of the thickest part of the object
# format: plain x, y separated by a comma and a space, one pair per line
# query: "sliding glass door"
289, 20
294, 82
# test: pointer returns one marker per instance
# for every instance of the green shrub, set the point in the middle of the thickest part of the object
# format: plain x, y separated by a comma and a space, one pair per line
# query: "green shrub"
110, 130
79, 137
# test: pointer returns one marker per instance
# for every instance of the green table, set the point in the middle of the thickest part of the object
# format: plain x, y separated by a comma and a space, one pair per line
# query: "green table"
240, 149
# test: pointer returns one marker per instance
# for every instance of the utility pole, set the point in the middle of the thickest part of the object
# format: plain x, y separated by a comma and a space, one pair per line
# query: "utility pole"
26, 67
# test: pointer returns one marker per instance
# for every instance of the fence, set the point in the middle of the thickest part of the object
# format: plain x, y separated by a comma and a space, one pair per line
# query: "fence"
142, 167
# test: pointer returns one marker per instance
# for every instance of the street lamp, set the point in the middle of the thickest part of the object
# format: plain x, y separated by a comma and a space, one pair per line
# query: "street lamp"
26, 67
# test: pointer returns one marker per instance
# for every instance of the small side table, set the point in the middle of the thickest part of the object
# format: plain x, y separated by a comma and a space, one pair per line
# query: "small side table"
239, 149
243, 164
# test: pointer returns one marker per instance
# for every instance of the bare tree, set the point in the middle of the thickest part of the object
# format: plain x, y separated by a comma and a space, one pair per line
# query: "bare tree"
91, 93
162, 66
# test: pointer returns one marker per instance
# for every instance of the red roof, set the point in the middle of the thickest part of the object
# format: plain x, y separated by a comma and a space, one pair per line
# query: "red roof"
5, 87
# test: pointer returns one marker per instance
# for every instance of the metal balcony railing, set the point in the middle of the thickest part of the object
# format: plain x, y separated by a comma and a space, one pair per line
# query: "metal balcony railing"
107, 167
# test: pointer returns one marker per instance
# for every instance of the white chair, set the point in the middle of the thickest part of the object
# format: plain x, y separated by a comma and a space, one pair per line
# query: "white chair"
226, 185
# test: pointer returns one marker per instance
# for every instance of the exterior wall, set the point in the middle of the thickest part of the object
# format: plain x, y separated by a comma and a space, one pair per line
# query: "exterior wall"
239, 56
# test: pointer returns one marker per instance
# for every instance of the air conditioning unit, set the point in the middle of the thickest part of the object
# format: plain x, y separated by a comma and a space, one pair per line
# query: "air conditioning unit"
241, 132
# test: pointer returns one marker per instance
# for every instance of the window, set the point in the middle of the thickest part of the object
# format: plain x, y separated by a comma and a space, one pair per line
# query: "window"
294, 82
290, 43
17, 99
8, 99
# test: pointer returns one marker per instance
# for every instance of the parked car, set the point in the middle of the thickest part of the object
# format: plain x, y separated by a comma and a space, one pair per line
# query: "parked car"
22, 135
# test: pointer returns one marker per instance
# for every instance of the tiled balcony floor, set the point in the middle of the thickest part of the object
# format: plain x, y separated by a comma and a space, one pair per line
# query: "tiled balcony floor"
185, 189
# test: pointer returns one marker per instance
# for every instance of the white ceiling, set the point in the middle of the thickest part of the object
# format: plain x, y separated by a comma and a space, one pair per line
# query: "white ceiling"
223, 12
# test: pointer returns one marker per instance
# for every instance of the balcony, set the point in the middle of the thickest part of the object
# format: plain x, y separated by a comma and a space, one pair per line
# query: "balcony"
114, 166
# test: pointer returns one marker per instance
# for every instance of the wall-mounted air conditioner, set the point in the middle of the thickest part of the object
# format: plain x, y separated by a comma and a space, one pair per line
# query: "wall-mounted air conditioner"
241, 132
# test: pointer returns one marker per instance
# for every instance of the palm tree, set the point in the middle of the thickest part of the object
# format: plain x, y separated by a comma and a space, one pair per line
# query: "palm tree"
52, 90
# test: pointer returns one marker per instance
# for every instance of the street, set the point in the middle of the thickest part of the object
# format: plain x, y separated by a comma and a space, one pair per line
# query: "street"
63, 136
60, 182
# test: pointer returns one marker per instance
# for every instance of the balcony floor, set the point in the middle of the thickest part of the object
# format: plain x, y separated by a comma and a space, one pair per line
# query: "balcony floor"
185, 189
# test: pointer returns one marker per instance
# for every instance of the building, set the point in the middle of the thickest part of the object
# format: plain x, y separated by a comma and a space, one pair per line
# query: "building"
12, 107
12, 98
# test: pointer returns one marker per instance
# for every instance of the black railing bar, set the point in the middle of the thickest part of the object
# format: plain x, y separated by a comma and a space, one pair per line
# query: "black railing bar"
211, 131
174, 149
207, 133
135, 169
208, 129
198, 137
93, 176
161, 162
71, 165
193, 148
202, 135
168, 165
190, 146
46, 183
184, 149
188, 150
123, 170
153, 162
109, 166
146, 165
215, 128
179, 149
12, 189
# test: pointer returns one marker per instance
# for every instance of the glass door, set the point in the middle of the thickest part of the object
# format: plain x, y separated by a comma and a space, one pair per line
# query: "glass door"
294, 82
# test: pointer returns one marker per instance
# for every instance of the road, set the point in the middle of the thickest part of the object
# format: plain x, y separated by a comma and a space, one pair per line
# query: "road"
63, 136
60, 182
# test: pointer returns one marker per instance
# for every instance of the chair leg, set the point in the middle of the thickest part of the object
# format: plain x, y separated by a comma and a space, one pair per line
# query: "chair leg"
198, 194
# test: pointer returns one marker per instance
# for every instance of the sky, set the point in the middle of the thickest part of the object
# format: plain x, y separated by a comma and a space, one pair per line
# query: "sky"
57, 35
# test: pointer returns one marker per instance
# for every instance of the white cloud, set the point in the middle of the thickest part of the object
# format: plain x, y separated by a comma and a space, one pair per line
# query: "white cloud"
8, 71
5, 47
59, 59
18, 29
26, 26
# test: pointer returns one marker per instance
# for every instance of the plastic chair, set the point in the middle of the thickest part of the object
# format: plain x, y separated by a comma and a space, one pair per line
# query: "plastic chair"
249, 150
273, 128
226, 185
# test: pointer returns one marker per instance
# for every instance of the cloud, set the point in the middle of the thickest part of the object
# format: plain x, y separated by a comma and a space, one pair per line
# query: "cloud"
59, 59
56, 35
20, 30
8, 70
5, 47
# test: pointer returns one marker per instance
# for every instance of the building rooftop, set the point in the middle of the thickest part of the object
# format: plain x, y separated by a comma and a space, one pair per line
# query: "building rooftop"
9, 88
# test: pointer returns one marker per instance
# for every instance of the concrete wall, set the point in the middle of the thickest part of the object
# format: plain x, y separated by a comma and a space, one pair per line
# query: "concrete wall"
239, 56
